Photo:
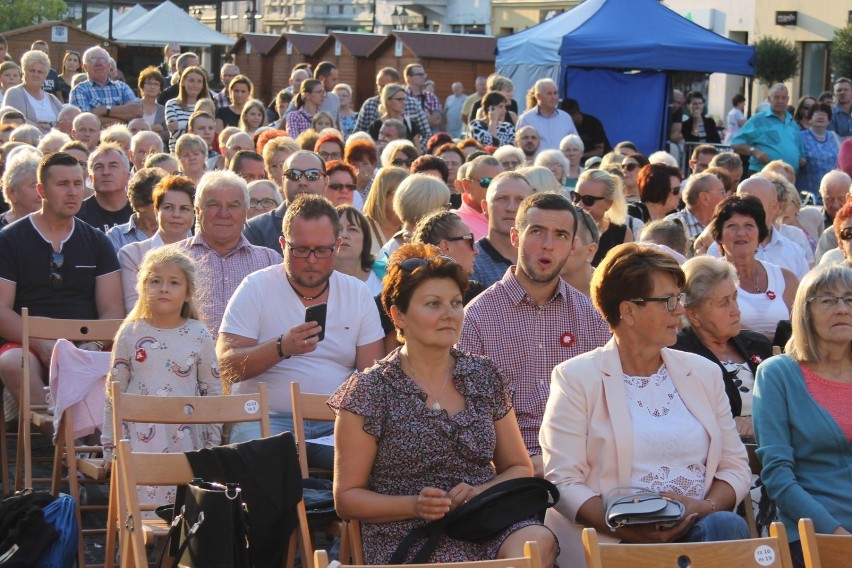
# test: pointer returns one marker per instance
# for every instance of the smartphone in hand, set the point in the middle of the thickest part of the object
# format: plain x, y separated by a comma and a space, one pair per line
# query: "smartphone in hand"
317, 314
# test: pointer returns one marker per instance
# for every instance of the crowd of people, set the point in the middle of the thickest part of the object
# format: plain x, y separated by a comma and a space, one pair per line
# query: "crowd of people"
505, 294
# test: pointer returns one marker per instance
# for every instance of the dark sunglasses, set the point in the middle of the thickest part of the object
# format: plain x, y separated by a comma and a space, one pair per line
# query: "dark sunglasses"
484, 182
411, 264
57, 259
400, 163
846, 234
467, 237
342, 186
676, 190
587, 200
629, 167
296, 175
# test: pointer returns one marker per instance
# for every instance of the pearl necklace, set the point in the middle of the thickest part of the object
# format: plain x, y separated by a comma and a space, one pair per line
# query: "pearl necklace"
437, 404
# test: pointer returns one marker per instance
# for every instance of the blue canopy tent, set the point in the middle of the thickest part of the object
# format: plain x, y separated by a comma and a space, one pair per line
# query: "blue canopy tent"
615, 57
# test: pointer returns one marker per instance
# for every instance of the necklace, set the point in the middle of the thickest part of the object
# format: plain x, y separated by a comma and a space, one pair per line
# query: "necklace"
437, 404
754, 285
308, 298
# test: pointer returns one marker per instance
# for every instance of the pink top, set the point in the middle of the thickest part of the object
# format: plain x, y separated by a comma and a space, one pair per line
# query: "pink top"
477, 221
835, 397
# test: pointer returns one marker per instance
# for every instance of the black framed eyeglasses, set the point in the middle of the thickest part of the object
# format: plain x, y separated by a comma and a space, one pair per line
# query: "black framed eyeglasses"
466, 237
846, 234
587, 200
57, 259
411, 264
330, 156
671, 301
304, 252
311, 175
266, 202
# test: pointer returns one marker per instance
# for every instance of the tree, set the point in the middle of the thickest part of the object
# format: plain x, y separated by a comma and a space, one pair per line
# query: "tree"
841, 52
21, 13
776, 60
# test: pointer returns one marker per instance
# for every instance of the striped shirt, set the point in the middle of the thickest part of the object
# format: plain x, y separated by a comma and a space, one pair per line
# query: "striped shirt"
527, 341
218, 276
176, 112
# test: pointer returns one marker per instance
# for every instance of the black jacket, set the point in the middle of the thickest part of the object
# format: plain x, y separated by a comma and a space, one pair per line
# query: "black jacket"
264, 230
753, 346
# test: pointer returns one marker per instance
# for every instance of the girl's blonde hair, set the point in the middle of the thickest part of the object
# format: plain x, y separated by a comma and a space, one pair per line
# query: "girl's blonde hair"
153, 260
252, 104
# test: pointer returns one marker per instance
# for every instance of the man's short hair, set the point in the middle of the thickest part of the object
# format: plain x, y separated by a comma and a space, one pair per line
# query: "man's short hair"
310, 206
487, 160
500, 178
542, 82
728, 160
183, 58
705, 149
219, 178
241, 156
388, 72
846, 80
409, 69
51, 160
324, 69
141, 186
547, 201
108, 147
667, 232
188, 142
398, 125
199, 114
696, 185
146, 135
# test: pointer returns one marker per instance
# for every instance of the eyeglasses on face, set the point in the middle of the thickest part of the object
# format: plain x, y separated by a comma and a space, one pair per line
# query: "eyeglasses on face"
342, 186
326, 156
57, 259
831, 301
295, 175
468, 237
401, 162
671, 301
676, 190
629, 167
98, 59
265, 202
846, 234
587, 200
304, 252
411, 264
484, 182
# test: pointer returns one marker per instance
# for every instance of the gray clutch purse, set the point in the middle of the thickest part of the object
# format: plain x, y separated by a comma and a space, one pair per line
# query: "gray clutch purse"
641, 508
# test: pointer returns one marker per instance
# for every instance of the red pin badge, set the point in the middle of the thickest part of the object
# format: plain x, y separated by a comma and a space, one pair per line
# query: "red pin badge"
770, 294
566, 340
141, 355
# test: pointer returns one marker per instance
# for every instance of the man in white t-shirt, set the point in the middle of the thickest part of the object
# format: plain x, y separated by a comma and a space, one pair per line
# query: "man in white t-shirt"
264, 336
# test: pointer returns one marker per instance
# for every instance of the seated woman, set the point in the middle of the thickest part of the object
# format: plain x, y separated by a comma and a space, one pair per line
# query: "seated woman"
353, 255
713, 331
599, 194
637, 413
801, 410
659, 192
765, 291
411, 444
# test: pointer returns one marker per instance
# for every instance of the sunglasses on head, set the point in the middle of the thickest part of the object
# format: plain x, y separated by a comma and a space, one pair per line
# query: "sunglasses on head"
411, 264
587, 200
846, 234
310, 175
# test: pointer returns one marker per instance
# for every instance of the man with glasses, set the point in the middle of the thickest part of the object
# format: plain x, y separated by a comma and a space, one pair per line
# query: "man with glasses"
223, 256
415, 82
701, 157
304, 172
701, 195
495, 251
479, 175
265, 336
111, 101
56, 266
532, 320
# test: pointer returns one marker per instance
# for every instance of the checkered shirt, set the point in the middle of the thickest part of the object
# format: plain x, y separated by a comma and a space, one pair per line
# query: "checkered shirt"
88, 95
297, 122
527, 341
369, 113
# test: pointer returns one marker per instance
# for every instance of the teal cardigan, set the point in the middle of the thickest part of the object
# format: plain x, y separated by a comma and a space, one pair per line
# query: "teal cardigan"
807, 461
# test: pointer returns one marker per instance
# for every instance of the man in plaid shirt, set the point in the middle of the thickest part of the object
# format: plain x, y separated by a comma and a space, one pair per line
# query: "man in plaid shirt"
532, 320
415, 81
111, 101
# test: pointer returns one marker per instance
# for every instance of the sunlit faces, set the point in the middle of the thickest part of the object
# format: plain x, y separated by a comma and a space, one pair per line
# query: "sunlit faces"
254, 118
653, 322
434, 316
193, 162
304, 162
502, 204
845, 245
778, 100
275, 167
842, 92
193, 83
673, 200
24, 194
351, 239
251, 170
205, 128
459, 246
261, 198
364, 168
556, 168
476, 187
322, 123
341, 188
314, 233
109, 172
35, 74
572, 154
831, 318
62, 191
239, 94
544, 244
330, 150
176, 215
740, 235
167, 290
453, 162
222, 214
717, 315
594, 189
10, 78
547, 96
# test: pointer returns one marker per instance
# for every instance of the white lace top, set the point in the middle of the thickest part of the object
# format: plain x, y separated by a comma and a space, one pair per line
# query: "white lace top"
669, 445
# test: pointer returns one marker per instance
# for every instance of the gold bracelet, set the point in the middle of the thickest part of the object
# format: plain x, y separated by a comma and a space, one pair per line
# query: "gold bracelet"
712, 504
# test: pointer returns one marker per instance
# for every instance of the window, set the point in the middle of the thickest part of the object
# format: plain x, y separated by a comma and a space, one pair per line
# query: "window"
814, 67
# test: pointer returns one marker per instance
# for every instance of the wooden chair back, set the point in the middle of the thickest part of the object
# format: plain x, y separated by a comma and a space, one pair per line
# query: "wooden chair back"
753, 552
824, 550
530, 559
307, 406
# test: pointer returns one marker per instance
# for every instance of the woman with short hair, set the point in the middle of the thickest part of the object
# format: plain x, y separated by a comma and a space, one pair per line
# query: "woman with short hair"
19, 188
659, 192
572, 148
557, 163
39, 107
151, 83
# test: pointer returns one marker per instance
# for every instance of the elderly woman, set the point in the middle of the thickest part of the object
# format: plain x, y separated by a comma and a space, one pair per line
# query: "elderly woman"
801, 410
636, 413
151, 84
347, 116
263, 197
192, 87
428, 427
821, 147
511, 157
493, 129
417, 196
19, 188
556, 162
173, 204
572, 148
765, 291
240, 91
38, 107
378, 208
713, 331
353, 256
599, 193
659, 192
191, 152
393, 106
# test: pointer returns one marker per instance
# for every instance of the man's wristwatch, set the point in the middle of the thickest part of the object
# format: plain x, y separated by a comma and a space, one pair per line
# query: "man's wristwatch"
109, 108
751, 150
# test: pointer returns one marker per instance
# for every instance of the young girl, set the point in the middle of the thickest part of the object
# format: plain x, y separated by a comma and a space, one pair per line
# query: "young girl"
163, 350
253, 116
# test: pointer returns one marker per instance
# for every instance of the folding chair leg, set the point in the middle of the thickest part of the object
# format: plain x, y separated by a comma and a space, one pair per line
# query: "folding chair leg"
4, 449
112, 524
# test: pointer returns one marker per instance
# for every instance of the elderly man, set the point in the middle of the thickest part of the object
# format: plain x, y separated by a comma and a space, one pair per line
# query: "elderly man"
452, 110
527, 139
142, 145
304, 173
834, 188
841, 120
392, 129
169, 50
369, 111
265, 336
248, 165
532, 320
495, 251
237, 142
228, 72
65, 118
111, 101
771, 135
482, 170
86, 128
109, 170
551, 123
223, 257
184, 61
481, 86
701, 195
56, 267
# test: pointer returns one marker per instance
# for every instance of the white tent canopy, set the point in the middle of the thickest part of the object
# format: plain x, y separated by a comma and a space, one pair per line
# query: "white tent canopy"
167, 24
100, 23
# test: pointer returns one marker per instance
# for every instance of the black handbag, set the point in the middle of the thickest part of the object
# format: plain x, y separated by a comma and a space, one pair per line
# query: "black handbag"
483, 517
211, 529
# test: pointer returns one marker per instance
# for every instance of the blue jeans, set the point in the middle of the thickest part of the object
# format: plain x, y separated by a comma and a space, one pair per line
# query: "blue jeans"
319, 456
721, 525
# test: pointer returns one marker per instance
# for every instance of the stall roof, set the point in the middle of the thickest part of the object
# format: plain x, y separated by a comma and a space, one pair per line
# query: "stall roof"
432, 45
166, 24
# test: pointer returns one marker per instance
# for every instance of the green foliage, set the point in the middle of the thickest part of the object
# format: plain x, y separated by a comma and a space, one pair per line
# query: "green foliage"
16, 14
776, 60
841, 52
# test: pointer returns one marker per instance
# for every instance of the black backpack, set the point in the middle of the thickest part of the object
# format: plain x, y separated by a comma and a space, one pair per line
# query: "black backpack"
24, 533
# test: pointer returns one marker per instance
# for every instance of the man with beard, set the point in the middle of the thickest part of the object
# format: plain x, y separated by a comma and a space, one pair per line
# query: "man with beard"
532, 320
528, 141
265, 337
